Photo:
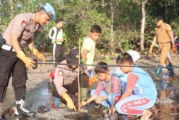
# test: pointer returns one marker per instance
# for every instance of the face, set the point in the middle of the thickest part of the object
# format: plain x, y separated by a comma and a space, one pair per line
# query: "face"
103, 76
73, 67
159, 23
43, 18
60, 24
95, 36
126, 69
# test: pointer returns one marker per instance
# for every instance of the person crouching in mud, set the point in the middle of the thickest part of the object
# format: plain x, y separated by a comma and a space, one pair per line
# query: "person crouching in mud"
108, 88
139, 92
64, 79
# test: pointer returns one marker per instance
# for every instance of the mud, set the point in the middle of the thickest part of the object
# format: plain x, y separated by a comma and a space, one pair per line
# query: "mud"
38, 99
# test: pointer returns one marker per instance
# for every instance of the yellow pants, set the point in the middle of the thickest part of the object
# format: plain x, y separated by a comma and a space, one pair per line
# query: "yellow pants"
164, 49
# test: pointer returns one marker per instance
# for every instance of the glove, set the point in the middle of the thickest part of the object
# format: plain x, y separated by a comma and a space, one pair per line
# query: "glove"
69, 101
28, 62
174, 49
83, 103
83, 61
39, 55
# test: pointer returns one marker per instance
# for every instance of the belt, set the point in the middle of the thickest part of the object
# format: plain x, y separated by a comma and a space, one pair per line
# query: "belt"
7, 47
163, 42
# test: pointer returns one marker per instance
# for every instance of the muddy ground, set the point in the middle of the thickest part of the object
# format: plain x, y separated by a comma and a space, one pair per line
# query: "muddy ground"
38, 97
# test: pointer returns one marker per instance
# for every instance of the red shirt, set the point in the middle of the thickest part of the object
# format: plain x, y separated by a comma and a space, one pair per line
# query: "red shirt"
131, 81
52, 74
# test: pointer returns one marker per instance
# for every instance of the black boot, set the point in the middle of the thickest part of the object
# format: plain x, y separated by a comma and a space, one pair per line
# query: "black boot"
21, 110
2, 117
49, 87
170, 69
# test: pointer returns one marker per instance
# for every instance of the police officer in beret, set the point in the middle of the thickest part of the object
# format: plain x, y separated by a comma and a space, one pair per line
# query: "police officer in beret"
13, 60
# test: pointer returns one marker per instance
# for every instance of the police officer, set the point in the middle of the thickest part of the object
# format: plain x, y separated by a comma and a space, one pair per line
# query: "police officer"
13, 60
164, 38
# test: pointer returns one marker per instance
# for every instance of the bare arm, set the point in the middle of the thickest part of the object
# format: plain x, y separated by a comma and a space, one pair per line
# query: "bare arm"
126, 94
31, 45
91, 99
170, 33
15, 43
84, 54
152, 45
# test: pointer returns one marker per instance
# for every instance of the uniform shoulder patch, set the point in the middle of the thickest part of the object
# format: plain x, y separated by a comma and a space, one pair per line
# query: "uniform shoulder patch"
23, 23
60, 72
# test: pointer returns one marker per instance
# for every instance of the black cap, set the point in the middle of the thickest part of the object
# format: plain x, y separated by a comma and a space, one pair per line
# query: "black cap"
73, 56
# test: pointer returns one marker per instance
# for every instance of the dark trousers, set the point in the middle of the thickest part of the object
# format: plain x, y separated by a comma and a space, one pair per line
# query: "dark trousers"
59, 54
73, 87
11, 65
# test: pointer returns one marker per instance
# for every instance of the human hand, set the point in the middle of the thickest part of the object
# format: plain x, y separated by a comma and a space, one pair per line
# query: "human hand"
99, 99
39, 55
28, 61
112, 110
71, 105
150, 52
59, 40
174, 49
69, 101
83, 103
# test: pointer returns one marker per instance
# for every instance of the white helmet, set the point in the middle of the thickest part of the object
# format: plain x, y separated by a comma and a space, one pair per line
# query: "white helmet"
49, 10
134, 54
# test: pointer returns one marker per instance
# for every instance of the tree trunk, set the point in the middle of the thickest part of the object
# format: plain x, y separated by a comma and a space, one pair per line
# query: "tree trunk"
143, 25
112, 26
12, 8
166, 10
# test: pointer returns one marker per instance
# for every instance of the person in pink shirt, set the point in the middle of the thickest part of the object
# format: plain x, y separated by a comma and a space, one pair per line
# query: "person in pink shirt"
108, 88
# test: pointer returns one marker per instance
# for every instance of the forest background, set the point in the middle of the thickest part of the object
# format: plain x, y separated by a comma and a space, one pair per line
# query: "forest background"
126, 24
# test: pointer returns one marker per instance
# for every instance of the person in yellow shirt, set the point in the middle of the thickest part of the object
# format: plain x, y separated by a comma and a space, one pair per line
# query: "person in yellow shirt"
89, 46
88, 52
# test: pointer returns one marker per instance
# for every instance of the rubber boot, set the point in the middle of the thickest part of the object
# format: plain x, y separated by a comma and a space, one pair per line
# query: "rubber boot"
21, 110
158, 71
56, 102
170, 69
83, 93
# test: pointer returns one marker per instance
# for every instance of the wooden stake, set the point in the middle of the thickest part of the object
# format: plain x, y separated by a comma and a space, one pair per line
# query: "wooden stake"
79, 94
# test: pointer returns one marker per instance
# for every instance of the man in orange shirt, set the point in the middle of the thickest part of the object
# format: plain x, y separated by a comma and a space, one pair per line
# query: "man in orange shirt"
164, 38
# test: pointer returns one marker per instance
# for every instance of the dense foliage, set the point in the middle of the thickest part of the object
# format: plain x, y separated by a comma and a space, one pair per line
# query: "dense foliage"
120, 20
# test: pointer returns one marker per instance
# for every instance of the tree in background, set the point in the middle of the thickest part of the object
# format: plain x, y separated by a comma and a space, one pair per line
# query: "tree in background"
124, 22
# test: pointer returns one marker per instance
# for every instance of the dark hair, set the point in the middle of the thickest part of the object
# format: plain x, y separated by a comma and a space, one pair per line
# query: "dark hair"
101, 67
158, 18
40, 10
95, 28
59, 20
124, 58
